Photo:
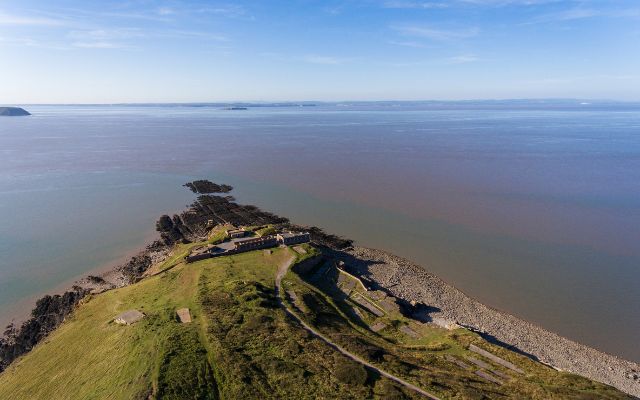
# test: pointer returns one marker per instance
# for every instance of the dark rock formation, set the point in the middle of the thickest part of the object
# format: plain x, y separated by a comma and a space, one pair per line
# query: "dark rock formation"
48, 314
204, 186
192, 225
97, 280
135, 268
13, 111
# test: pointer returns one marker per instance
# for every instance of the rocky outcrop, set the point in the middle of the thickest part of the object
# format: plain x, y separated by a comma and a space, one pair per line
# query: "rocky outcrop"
13, 112
194, 223
135, 268
49, 313
204, 186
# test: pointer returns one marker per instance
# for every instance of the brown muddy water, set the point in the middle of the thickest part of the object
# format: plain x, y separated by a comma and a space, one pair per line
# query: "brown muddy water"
534, 209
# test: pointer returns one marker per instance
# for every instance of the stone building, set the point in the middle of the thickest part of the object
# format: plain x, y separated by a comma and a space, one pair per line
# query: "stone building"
289, 238
255, 243
236, 233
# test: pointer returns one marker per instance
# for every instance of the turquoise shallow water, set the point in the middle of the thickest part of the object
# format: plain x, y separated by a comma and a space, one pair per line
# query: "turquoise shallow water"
533, 210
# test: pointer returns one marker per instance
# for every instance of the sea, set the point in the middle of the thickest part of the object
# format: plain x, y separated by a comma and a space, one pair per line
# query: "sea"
531, 207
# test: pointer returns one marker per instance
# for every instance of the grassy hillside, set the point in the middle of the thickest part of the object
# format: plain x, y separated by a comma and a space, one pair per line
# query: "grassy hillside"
242, 345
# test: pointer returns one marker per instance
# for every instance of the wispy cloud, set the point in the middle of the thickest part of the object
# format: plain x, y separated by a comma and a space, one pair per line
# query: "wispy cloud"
11, 19
334, 10
100, 45
165, 11
434, 33
176, 33
325, 60
105, 38
124, 38
18, 41
228, 10
436, 62
578, 13
101, 34
408, 43
462, 59
584, 78
31, 42
502, 3
567, 15
415, 4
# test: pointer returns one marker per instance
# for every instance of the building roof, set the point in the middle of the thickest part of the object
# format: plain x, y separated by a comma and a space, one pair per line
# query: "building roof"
254, 239
292, 234
129, 317
184, 315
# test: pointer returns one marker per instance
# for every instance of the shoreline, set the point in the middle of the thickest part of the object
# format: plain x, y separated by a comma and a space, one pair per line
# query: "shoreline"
396, 275
412, 282
21, 310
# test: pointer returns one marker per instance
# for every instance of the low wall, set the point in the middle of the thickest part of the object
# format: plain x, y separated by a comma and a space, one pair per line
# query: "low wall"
197, 257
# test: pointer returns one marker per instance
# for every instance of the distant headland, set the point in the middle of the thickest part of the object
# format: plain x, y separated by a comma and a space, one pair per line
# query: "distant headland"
13, 112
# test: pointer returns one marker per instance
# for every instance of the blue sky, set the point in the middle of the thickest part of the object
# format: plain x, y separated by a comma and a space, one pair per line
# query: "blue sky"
71, 51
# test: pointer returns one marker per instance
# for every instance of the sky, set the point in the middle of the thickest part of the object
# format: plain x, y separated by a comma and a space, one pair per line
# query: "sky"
85, 51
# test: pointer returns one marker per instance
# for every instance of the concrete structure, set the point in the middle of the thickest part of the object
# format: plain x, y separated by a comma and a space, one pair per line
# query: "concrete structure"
239, 244
255, 243
184, 315
197, 257
299, 250
128, 317
236, 233
289, 238
495, 358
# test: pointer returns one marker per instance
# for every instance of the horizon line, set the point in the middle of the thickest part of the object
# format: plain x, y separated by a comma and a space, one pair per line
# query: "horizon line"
303, 102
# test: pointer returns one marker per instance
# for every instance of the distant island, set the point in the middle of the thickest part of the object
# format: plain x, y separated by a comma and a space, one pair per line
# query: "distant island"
235, 302
13, 112
235, 108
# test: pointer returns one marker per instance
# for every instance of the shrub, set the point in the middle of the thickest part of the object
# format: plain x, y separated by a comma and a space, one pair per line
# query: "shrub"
351, 373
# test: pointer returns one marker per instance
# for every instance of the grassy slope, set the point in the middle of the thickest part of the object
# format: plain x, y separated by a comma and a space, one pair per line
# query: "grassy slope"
91, 357
423, 360
241, 345
247, 344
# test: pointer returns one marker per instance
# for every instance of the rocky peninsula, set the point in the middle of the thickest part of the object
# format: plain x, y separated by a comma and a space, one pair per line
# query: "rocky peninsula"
378, 270
13, 112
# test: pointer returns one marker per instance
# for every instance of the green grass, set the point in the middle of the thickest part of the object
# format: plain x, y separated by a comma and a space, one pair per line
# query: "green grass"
310, 252
422, 360
267, 230
218, 235
184, 371
241, 345
90, 357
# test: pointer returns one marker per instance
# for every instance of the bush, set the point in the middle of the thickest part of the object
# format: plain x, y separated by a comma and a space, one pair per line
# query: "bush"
185, 372
386, 390
351, 373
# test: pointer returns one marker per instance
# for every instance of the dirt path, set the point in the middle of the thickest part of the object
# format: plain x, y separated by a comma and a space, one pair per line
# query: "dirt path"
282, 270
